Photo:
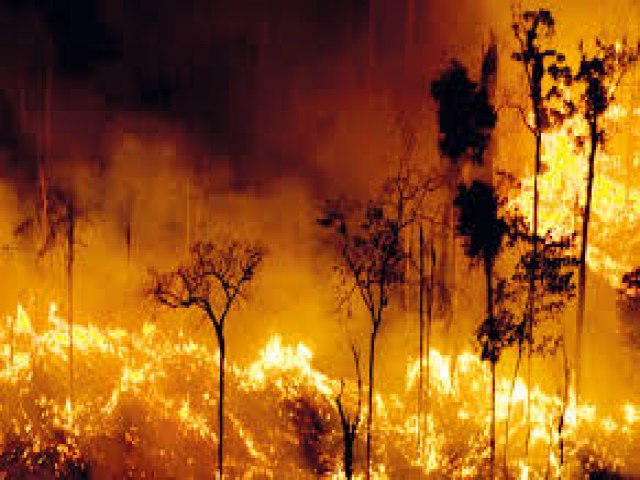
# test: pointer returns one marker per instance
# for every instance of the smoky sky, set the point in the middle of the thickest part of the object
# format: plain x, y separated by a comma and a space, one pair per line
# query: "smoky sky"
262, 83
209, 65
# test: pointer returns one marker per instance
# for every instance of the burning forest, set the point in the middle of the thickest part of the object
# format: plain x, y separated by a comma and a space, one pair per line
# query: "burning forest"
320, 239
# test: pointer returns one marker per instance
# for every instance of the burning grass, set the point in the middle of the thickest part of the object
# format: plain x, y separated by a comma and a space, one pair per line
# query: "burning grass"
145, 406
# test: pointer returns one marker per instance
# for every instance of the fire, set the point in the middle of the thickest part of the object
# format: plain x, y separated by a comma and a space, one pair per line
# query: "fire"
562, 188
153, 397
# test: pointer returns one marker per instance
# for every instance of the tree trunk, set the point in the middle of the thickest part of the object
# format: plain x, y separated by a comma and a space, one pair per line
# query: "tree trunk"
488, 274
221, 406
582, 272
509, 403
348, 454
421, 317
70, 260
532, 273
372, 350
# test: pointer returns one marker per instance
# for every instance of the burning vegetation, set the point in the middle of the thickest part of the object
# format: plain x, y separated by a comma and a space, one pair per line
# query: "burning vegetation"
456, 315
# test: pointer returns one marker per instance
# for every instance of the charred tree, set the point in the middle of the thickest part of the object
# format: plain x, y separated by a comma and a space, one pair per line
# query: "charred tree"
214, 279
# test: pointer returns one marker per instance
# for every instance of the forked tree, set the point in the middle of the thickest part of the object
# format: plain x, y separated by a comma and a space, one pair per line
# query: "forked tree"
213, 279
350, 422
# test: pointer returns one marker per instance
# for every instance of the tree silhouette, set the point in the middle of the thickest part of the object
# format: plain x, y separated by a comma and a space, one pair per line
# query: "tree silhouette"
532, 29
483, 232
368, 240
597, 77
466, 119
214, 279
350, 423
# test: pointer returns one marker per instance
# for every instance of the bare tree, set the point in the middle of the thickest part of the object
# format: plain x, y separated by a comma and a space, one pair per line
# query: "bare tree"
368, 240
214, 278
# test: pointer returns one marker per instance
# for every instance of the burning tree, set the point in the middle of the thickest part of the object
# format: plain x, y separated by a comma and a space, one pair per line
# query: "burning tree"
484, 231
531, 30
598, 76
214, 279
369, 241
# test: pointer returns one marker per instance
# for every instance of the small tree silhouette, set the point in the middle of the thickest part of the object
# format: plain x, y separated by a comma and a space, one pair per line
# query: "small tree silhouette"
214, 278
350, 423
483, 232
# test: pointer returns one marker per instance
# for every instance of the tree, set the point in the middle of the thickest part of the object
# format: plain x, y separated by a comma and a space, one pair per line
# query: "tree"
350, 423
598, 77
466, 120
553, 271
483, 232
368, 241
531, 30
214, 279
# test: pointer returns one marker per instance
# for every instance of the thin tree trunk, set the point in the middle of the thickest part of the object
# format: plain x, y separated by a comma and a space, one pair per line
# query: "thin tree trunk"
12, 322
372, 346
488, 275
421, 318
70, 260
532, 273
221, 407
430, 322
493, 418
582, 268
348, 454
509, 404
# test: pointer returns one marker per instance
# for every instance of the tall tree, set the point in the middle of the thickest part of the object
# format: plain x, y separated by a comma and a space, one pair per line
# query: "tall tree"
598, 76
532, 29
483, 232
214, 279
368, 240
466, 119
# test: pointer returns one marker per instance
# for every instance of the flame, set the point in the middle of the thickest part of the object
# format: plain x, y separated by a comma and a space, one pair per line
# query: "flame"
157, 394
562, 190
